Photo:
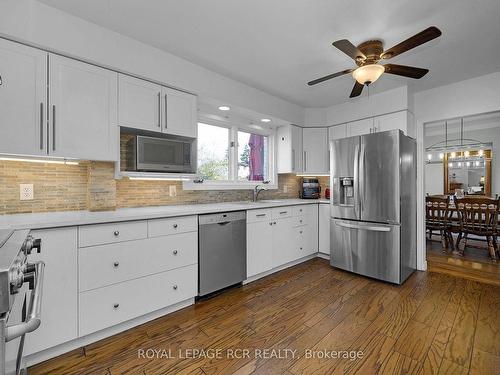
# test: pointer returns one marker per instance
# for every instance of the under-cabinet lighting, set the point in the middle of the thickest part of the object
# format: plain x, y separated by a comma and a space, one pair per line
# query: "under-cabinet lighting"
224, 108
441, 156
314, 175
160, 178
481, 152
265, 120
48, 161
466, 154
453, 155
429, 157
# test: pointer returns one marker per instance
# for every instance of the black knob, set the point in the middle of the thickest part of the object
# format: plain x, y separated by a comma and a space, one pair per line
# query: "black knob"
175, 225
175, 287
37, 244
116, 264
116, 233
175, 252
116, 305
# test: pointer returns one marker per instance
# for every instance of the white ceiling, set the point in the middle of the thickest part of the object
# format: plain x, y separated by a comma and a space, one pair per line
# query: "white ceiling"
278, 46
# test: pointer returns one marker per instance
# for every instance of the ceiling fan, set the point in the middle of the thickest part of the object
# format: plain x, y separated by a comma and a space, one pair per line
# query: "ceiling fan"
368, 54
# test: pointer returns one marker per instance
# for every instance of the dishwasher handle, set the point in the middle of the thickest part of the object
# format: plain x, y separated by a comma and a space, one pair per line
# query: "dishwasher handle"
224, 223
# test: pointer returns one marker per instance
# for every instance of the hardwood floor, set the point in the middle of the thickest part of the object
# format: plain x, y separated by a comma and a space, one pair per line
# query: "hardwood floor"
474, 265
433, 324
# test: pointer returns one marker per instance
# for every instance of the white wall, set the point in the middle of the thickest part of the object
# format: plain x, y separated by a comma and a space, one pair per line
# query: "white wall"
32, 22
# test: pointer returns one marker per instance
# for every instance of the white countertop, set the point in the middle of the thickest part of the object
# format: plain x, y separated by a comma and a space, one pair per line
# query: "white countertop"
72, 218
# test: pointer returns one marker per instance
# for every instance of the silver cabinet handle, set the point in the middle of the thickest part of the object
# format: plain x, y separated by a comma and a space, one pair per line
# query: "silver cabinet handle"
260, 215
271, 223
159, 109
175, 226
174, 252
301, 248
116, 233
274, 222
300, 221
41, 126
293, 160
305, 160
53, 128
283, 212
363, 227
116, 264
166, 111
116, 305
175, 287
33, 317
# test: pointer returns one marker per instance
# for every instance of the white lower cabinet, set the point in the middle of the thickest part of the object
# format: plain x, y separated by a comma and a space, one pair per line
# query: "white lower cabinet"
280, 235
324, 228
259, 247
60, 290
114, 304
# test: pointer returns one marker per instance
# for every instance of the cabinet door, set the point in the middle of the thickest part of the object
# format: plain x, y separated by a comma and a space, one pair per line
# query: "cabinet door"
324, 228
60, 293
282, 241
179, 113
23, 98
315, 143
139, 104
82, 111
391, 121
297, 149
337, 131
360, 127
259, 247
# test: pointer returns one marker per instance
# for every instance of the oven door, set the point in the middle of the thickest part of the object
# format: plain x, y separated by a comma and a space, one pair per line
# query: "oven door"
165, 155
14, 363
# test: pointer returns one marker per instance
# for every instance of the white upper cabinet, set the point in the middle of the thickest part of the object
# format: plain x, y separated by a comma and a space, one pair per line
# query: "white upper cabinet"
315, 154
289, 149
23, 99
337, 132
82, 110
360, 127
139, 104
148, 106
179, 113
398, 120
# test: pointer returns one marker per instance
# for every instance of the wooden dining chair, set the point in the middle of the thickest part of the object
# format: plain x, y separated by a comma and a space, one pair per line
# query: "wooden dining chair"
437, 215
478, 216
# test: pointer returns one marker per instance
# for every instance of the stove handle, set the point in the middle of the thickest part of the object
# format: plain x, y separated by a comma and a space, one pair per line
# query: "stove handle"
33, 318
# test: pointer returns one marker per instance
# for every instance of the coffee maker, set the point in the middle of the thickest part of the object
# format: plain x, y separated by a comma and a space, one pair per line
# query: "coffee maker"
310, 188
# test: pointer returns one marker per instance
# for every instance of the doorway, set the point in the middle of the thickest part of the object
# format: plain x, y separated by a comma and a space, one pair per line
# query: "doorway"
462, 173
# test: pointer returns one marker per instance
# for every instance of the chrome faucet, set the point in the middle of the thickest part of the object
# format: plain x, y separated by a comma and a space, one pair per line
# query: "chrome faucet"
257, 189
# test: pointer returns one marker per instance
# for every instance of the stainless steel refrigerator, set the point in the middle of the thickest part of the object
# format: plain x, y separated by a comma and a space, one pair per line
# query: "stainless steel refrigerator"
373, 205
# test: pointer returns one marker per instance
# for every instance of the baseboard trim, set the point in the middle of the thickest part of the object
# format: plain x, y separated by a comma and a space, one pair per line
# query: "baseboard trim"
282, 267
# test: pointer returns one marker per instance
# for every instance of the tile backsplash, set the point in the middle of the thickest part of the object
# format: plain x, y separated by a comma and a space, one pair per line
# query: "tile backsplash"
91, 186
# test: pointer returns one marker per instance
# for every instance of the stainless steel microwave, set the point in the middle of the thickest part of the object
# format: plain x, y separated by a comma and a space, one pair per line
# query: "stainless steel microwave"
152, 154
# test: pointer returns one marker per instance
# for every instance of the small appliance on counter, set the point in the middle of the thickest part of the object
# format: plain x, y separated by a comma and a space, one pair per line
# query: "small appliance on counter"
310, 188
327, 193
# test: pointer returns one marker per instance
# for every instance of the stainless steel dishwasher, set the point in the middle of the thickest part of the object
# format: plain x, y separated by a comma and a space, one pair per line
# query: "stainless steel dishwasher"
222, 260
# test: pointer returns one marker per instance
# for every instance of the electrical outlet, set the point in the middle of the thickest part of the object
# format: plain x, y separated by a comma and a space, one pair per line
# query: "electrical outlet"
26, 192
172, 190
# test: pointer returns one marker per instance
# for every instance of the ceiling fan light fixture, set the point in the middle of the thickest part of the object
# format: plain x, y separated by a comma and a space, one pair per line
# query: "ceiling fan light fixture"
368, 74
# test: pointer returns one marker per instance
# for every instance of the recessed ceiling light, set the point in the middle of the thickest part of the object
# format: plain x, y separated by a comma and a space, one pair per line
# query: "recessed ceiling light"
224, 108
265, 120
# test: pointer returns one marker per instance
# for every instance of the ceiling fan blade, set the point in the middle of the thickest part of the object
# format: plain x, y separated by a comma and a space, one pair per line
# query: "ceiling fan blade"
356, 90
326, 78
412, 42
405, 71
349, 49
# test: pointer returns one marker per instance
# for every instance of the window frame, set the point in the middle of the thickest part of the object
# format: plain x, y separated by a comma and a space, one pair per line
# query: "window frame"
233, 183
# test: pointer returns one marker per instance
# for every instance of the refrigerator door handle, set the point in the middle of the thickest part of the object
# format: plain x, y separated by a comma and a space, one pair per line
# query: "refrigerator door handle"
361, 179
374, 228
357, 210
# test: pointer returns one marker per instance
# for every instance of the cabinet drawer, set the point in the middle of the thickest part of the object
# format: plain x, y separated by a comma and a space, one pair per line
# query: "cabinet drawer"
304, 209
280, 212
254, 216
172, 225
300, 220
113, 263
105, 307
100, 234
